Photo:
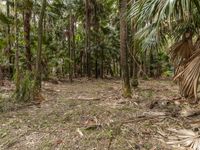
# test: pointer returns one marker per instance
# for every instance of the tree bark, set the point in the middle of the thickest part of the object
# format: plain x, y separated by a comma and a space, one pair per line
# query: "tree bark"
73, 28
88, 65
17, 72
39, 50
102, 64
9, 52
123, 49
134, 69
70, 49
27, 28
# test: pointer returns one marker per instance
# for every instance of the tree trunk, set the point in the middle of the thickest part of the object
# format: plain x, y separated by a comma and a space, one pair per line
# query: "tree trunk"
27, 27
34, 15
1, 75
96, 68
73, 44
134, 68
102, 64
17, 72
117, 68
9, 52
123, 49
88, 65
81, 63
39, 50
70, 49
114, 67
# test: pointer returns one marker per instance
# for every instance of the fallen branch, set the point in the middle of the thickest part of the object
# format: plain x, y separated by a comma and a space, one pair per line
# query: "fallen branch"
85, 98
144, 116
190, 113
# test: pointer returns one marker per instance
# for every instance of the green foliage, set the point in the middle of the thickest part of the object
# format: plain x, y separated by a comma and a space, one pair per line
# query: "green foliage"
150, 40
4, 19
26, 91
168, 73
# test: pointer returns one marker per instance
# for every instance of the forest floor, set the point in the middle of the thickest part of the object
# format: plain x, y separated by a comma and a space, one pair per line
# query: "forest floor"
92, 115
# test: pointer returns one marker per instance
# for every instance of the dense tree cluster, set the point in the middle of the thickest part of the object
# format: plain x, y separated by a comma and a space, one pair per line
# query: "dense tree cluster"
78, 38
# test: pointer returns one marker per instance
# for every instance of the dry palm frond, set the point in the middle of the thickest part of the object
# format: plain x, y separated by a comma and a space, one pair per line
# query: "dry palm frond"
184, 138
188, 78
181, 51
197, 43
186, 59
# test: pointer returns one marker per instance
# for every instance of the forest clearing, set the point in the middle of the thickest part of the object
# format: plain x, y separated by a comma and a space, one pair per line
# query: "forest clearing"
99, 74
92, 114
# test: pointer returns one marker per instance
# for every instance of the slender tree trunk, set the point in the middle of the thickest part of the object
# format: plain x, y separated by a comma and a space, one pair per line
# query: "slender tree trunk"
9, 52
96, 38
39, 50
102, 64
81, 63
73, 45
17, 72
123, 49
27, 28
134, 66
70, 49
34, 15
1, 75
114, 67
96, 61
70, 62
88, 65
131, 64
117, 68
96, 68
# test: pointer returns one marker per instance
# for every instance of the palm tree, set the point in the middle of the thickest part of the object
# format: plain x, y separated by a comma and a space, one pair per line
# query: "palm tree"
162, 22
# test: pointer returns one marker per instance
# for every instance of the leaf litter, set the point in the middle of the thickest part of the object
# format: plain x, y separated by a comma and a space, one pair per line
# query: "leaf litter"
98, 117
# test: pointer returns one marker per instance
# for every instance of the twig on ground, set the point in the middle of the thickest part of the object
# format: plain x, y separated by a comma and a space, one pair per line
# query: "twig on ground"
85, 98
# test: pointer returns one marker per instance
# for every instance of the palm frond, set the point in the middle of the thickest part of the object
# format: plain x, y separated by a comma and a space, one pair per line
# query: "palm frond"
184, 138
197, 43
181, 51
190, 75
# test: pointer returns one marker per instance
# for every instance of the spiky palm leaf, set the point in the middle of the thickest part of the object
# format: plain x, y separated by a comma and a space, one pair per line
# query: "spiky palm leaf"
184, 138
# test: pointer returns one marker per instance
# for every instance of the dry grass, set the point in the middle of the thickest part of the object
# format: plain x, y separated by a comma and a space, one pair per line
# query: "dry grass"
92, 115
